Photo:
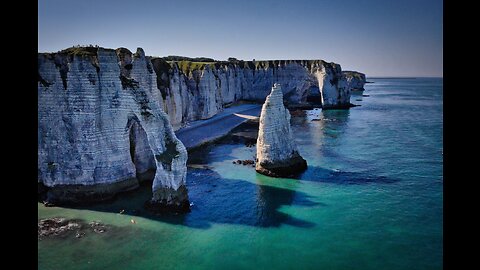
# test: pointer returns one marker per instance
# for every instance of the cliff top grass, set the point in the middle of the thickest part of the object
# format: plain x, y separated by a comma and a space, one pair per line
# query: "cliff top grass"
193, 63
82, 51
187, 66
354, 74
78, 50
185, 58
123, 51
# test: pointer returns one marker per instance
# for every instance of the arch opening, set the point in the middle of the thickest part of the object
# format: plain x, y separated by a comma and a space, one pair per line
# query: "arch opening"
140, 152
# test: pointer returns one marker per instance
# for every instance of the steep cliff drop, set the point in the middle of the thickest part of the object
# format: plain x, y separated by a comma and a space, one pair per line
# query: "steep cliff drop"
193, 90
102, 129
277, 154
355, 81
105, 116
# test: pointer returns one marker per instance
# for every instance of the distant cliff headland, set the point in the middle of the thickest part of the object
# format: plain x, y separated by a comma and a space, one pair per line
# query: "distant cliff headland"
106, 117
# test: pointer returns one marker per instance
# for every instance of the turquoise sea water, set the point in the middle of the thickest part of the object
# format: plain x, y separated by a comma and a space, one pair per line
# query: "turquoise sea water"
372, 198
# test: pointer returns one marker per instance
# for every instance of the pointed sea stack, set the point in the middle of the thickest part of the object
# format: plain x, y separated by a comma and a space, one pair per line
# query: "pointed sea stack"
277, 154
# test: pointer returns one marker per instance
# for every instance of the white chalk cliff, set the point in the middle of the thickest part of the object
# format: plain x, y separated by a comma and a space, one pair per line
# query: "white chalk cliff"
355, 81
277, 153
102, 129
199, 90
106, 118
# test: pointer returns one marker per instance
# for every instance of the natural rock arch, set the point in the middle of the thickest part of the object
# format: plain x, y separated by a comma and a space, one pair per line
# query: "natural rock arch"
140, 151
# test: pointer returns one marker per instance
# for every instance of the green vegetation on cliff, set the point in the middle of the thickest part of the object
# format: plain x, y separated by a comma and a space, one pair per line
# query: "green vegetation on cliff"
187, 67
89, 50
354, 74
191, 59
82, 51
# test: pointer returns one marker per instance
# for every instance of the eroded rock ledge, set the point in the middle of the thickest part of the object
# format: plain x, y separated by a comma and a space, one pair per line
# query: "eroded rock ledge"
277, 153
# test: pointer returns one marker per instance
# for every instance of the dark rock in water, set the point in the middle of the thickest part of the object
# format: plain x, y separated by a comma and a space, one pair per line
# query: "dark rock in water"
98, 227
62, 227
163, 208
56, 227
169, 199
247, 162
316, 119
291, 168
244, 162
174, 201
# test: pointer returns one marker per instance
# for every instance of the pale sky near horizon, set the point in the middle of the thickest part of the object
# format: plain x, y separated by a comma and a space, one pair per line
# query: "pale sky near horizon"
376, 37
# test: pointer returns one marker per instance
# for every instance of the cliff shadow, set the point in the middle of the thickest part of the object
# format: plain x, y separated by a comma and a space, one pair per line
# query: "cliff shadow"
233, 201
222, 148
322, 175
218, 200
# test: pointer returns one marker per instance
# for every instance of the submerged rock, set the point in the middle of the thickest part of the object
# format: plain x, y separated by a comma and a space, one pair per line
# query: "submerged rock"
244, 162
277, 154
56, 227
169, 200
62, 227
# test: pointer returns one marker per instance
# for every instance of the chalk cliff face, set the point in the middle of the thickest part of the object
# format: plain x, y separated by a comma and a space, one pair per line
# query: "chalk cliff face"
102, 129
106, 118
199, 90
277, 154
355, 81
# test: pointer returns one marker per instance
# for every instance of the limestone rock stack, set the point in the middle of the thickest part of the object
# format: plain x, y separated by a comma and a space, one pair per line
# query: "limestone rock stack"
277, 154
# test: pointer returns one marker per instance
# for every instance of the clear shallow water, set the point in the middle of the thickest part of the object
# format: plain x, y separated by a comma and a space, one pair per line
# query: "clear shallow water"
372, 198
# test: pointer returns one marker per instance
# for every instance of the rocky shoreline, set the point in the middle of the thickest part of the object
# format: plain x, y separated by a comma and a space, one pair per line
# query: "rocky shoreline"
61, 227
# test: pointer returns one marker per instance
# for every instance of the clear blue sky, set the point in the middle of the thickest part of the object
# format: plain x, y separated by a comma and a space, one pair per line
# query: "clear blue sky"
377, 37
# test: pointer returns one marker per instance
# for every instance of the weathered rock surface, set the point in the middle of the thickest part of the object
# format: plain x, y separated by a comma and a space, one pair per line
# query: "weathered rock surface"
199, 90
61, 227
355, 81
102, 129
277, 153
105, 116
